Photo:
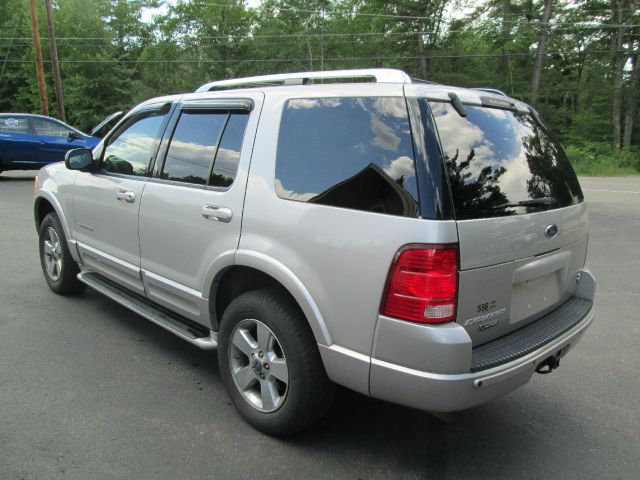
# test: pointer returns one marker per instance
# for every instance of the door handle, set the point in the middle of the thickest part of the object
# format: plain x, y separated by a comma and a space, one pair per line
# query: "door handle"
219, 214
126, 196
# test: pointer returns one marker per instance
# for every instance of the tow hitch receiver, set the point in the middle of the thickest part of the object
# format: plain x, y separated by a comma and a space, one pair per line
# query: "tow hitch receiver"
549, 364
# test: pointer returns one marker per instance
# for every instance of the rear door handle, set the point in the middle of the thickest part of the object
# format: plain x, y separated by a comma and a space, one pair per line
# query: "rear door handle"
126, 196
214, 212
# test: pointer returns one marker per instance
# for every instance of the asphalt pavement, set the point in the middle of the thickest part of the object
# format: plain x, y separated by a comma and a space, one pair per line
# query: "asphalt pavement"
89, 390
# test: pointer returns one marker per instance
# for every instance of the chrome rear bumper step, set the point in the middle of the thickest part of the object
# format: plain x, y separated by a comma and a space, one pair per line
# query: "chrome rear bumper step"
193, 333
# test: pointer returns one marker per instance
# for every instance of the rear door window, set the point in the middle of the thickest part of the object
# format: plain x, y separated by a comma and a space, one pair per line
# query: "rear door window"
502, 162
228, 156
48, 128
205, 148
193, 147
352, 153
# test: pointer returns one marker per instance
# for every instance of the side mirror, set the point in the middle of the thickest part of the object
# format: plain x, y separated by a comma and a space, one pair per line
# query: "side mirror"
74, 136
78, 159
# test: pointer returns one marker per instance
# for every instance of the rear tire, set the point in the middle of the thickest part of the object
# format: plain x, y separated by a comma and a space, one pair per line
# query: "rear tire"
270, 363
59, 269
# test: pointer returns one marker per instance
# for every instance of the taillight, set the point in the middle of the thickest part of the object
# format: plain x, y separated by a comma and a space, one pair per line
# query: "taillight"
423, 284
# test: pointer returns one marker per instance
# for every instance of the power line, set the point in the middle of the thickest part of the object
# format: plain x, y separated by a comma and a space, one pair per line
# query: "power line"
322, 12
352, 13
520, 18
328, 35
431, 56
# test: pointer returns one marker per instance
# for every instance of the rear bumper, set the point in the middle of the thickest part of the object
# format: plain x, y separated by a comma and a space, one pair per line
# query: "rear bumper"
405, 381
454, 392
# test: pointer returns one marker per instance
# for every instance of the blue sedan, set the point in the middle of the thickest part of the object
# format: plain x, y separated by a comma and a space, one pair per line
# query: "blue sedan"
28, 142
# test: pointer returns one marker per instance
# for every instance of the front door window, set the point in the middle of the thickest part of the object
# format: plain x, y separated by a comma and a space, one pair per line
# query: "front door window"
130, 150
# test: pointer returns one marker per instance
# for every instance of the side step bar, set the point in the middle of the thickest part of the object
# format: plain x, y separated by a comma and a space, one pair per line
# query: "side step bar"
193, 333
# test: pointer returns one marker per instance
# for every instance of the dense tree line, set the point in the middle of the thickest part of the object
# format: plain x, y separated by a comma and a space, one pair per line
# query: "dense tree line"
576, 60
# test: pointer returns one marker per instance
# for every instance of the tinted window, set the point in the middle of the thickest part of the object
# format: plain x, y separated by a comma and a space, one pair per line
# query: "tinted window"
226, 164
49, 128
348, 152
193, 147
14, 125
131, 148
499, 162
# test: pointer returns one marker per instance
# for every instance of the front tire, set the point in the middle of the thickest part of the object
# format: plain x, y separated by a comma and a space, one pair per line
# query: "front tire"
270, 363
59, 268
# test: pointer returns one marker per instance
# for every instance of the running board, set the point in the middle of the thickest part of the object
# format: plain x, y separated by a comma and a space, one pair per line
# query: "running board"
193, 333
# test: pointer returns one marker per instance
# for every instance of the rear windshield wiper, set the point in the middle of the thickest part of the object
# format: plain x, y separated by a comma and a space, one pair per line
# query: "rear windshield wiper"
534, 202
457, 104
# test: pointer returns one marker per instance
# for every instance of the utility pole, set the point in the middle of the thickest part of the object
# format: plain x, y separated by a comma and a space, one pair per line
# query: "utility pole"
542, 39
42, 88
54, 61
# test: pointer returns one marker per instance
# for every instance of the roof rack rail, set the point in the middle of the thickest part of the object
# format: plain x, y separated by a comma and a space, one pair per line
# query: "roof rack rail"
377, 75
491, 90
420, 80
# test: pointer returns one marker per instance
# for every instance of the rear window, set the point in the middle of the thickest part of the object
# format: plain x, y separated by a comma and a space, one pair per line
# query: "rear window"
501, 162
354, 153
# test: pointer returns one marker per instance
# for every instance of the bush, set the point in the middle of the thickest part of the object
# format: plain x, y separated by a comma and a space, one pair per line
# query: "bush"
597, 159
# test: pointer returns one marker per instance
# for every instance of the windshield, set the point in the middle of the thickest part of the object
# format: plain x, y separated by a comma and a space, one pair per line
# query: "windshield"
501, 162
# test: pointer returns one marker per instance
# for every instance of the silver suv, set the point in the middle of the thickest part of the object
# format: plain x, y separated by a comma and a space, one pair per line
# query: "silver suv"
415, 242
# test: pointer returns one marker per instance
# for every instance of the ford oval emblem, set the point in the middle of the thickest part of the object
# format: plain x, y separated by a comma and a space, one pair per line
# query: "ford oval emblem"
551, 231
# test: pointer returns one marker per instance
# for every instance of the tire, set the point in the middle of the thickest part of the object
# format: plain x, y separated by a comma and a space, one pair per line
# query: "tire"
59, 269
286, 389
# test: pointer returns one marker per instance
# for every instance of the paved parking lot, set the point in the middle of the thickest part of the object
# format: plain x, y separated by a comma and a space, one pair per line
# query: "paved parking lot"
91, 391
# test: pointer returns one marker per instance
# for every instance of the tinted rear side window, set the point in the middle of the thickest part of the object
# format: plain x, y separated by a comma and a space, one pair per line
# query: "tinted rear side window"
499, 162
193, 147
353, 153
226, 164
205, 148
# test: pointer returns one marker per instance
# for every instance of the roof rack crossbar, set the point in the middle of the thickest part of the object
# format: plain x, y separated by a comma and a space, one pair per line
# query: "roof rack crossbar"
379, 75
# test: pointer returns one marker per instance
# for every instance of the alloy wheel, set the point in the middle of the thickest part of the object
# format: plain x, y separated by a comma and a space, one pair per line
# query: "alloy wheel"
258, 365
53, 254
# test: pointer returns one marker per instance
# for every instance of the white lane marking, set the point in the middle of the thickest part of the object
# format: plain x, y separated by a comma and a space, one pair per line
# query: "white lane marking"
610, 191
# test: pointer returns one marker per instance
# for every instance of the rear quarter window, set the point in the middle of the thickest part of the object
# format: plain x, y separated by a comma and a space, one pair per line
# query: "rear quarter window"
497, 159
14, 125
354, 153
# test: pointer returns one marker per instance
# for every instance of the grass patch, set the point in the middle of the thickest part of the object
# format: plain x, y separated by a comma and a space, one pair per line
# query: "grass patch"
597, 160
